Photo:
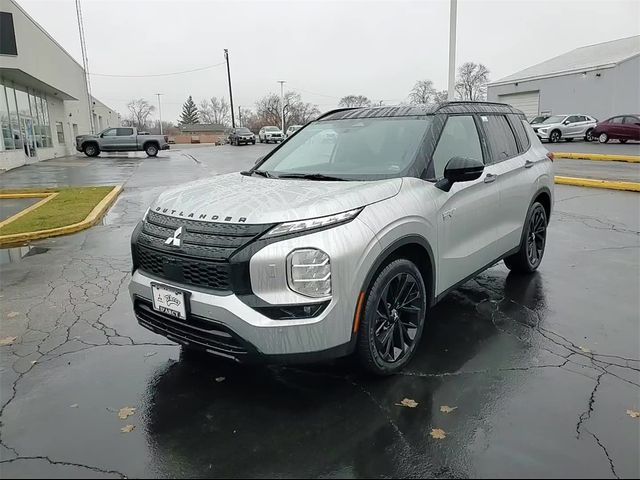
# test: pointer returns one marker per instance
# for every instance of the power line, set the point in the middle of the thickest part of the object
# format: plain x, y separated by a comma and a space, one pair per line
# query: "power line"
315, 93
159, 74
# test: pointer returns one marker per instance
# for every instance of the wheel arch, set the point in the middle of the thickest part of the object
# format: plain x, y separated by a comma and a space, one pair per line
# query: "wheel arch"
151, 142
543, 195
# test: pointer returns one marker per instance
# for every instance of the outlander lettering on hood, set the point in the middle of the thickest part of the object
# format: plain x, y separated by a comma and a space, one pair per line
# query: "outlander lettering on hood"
200, 216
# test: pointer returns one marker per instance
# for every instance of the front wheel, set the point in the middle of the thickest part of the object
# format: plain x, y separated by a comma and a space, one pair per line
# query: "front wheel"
555, 136
151, 150
91, 150
528, 258
603, 138
393, 318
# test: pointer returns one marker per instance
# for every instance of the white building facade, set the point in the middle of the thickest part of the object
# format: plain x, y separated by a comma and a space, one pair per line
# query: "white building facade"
43, 94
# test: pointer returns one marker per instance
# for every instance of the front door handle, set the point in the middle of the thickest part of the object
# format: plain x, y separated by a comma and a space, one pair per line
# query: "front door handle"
490, 178
529, 164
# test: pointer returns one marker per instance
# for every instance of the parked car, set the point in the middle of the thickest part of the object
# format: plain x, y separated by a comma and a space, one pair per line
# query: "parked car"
241, 135
270, 134
566, 127
622, 128
292, 129
325, 249
539, 119
121, 139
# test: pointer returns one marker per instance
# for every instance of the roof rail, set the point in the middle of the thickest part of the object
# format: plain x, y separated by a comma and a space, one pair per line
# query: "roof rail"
473, 102
336, 110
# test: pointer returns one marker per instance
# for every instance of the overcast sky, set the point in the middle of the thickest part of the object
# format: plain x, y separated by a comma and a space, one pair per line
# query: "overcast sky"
323, 49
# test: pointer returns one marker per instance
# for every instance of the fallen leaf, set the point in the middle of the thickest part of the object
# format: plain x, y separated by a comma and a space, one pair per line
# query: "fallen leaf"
7, 341
150, 354
220, 379
633, 413
12, 314
438, 434
407, 402
128, 429
585, 350
75, 405
447, 409
126, 412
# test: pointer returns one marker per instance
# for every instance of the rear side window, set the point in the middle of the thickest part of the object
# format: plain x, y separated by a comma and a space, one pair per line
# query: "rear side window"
502, 141
631, 120
521, 133
459, 138
125, 132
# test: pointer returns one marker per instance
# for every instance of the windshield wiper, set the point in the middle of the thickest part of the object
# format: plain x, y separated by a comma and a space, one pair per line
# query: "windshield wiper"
312, 176
262, 173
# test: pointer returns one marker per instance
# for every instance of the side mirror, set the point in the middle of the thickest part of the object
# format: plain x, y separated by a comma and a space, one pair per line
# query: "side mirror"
566, 122
259, 159
460, 169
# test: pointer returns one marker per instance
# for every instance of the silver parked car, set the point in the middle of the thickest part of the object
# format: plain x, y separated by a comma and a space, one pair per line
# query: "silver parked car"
341, 246
565, 127
270, 134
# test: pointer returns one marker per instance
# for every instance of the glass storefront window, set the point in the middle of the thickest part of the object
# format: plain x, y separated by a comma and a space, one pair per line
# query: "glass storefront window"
60, 132
5, 122
36, 114
13, 115
24, 110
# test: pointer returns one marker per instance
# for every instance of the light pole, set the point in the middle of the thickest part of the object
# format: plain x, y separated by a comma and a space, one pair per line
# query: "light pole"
160, 111
282, 82
233, 117
453, 14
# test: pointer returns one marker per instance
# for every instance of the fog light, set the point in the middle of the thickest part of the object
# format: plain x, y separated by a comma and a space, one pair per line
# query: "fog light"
309, 272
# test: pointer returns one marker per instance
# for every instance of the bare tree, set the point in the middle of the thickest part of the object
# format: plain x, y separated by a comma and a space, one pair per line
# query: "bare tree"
440, 97
215, 110
472, 80
354, 101
140, 111
296, 111
422, 93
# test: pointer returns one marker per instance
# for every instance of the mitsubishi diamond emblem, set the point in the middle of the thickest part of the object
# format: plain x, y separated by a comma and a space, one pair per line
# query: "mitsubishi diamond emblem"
174, 240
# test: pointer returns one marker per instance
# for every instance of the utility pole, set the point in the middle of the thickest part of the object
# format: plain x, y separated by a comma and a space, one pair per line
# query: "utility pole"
453, 14
160, 111
233, 118
85, 64
240, 116
282, 82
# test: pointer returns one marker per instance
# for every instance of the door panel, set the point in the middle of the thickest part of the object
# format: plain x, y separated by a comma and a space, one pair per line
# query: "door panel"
109, 140
126, 139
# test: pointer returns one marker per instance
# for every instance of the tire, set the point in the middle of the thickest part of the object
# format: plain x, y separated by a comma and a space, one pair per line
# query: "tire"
387, 341
91, 150
151, 149
623, 140
603, 138
587, 135
554, 137
528, 258
253, 143
568, 139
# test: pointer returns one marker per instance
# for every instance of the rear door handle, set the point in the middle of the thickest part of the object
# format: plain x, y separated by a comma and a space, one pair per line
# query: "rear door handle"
490, 178
529, 164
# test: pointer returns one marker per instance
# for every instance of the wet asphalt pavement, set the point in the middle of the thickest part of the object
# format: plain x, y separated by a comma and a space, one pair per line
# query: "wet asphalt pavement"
542, 369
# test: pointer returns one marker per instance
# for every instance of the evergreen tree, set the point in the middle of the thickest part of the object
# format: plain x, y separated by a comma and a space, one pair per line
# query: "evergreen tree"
189, 112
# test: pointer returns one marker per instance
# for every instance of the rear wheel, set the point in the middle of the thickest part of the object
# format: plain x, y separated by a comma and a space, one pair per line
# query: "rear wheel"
151, 149
603, 138
91, 150
529, 257
555, 136
587, 136
393, 318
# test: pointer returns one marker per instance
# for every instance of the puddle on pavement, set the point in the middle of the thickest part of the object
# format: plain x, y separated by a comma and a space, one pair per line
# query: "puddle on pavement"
15, 255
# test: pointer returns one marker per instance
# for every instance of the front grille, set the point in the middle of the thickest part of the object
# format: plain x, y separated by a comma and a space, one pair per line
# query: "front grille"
202, 259
195, 331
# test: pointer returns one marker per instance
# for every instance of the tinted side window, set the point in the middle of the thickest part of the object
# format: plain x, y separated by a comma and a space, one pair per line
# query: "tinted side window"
521, 133
617, 120
459, 138
631, 120
583, 118
110, 133
125, 132
502, 142
573, 119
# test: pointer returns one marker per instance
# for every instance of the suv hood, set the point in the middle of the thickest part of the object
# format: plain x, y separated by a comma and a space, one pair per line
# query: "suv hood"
232, 197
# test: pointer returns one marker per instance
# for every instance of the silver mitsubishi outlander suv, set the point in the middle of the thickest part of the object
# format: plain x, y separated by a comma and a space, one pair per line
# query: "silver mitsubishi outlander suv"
343, 237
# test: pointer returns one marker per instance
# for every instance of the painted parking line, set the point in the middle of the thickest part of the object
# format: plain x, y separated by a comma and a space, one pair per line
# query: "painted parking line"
596, 183
598, 157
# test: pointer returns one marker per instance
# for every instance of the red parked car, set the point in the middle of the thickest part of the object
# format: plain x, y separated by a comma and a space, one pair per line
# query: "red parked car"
622, 127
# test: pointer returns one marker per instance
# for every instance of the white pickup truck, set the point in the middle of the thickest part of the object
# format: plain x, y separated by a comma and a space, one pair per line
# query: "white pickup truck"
121, 139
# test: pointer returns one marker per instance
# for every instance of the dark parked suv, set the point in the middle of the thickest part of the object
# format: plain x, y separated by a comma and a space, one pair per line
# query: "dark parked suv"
241, 135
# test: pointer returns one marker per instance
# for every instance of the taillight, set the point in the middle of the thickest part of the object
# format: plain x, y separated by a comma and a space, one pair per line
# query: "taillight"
551, 156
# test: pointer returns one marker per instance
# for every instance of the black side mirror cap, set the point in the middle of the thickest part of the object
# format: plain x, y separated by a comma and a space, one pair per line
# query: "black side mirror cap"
460, 169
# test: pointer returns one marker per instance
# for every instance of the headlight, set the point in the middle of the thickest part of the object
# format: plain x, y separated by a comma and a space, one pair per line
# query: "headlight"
310, 224
543, 130
309, 272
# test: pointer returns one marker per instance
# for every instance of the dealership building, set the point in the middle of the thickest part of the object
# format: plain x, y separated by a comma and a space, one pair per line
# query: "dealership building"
600, 80
44, 101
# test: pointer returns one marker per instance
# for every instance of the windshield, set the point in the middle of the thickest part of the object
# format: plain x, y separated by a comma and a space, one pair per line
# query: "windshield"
351, 149
538, 120
272, 129
555, 119
243, 130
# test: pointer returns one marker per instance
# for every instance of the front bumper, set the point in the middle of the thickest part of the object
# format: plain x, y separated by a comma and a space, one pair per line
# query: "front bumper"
543, 135
274, 139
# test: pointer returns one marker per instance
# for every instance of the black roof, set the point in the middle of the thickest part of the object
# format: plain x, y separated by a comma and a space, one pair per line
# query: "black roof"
420, 110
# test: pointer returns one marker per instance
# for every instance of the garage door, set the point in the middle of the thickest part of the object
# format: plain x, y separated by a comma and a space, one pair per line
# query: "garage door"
528, 102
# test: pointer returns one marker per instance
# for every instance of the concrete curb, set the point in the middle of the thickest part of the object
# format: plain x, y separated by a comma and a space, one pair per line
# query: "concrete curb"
96, 214
598, 156
596, 183
45, 198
